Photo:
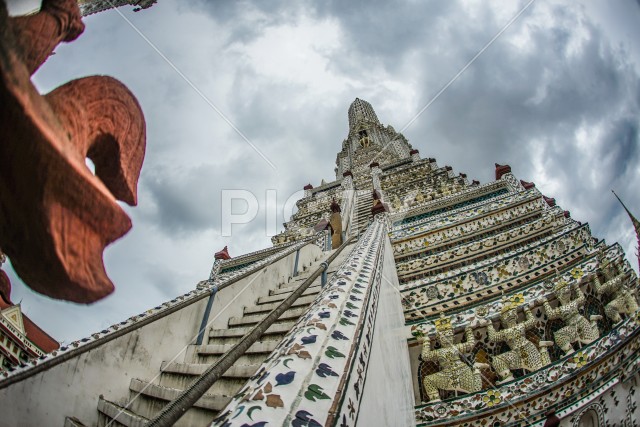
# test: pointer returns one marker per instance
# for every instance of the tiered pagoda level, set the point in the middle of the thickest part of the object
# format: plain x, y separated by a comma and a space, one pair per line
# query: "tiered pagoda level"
451, 302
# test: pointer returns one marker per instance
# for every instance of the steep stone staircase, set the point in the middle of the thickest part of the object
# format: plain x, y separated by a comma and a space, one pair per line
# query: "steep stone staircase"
362, 214
149, 397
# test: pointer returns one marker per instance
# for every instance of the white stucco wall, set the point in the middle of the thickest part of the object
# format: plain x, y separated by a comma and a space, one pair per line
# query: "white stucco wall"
72, 388
387, 396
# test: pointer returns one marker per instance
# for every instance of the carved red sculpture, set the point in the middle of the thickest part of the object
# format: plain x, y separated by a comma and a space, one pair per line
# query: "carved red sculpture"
56, 217
501, 170
222, 254
527, 185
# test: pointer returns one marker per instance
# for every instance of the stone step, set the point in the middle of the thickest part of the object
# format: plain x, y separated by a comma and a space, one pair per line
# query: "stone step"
281, 297
286, 291
245, 359
275, 329
267, 307
117, 414
207, 401
193, 369
290, 286
225, 386
298, 279
258, 347
292, 313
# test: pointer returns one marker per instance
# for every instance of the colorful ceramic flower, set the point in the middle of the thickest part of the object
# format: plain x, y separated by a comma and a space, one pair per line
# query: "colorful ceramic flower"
517, 299
580, 359
503, 272
577, 273
493, 397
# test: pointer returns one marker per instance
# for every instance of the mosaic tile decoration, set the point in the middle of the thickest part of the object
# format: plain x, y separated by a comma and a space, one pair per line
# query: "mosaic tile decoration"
491, 309
491, 273
469, 226
566, 380
420, 225
476, 247
472, 199
319, 367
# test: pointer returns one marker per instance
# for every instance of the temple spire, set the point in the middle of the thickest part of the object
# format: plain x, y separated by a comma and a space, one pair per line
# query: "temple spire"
634, 220
361, 112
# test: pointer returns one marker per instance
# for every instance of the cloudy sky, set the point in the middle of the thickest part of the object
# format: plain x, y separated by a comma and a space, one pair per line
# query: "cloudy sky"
556, 96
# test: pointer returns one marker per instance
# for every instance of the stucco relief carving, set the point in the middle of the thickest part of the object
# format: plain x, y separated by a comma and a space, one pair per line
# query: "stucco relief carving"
623, 299
577, 328
523, 354
454, 374
57, 216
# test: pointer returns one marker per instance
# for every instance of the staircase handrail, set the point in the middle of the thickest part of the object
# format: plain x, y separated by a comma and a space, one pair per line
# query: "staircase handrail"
175, 409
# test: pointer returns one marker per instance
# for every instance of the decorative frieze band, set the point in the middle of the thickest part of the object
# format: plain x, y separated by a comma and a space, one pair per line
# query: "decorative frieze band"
541, 289
467, 226
502, 266
485, 247
494, 273
418, 224
468, 194
318, 370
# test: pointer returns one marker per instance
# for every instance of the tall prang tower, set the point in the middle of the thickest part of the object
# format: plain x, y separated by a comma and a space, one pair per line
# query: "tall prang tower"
400, 294
368, 148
